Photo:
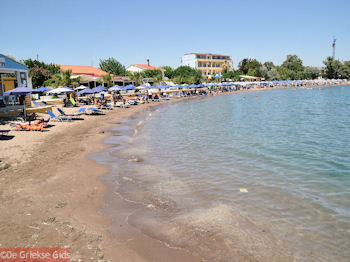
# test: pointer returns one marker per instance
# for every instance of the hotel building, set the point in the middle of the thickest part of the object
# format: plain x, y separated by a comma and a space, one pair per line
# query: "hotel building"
208, 64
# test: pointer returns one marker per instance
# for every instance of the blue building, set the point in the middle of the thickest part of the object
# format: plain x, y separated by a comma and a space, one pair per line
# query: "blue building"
10, 66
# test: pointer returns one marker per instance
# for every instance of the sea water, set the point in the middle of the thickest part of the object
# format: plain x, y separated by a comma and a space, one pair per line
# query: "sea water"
259, 176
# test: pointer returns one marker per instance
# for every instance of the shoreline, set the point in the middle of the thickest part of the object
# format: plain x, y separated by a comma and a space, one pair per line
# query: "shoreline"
61, 214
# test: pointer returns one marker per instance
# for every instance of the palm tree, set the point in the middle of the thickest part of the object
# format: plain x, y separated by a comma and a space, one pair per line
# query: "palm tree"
136, 77
106, 79
63, 78
157, 79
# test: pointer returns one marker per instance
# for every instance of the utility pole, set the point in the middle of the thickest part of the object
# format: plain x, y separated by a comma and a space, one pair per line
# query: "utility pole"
333, 47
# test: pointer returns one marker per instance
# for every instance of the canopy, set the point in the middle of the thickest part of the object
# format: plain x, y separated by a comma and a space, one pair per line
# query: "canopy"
81, 87
19, 91
129, 87
41, 89
61, 90
99, 89
86, 91
115, 88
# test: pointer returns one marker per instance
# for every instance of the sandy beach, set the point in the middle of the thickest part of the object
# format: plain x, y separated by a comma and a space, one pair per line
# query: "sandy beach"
51, 194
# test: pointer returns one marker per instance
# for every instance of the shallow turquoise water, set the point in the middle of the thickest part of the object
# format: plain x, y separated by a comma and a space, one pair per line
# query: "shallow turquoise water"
289, 148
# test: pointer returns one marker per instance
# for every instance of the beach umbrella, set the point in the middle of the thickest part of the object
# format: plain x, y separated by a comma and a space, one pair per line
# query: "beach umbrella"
159, 86
20, 91
99, 89
60, 90
82, 87
41, 89
192, 86
129, 87
115, 88
86, 91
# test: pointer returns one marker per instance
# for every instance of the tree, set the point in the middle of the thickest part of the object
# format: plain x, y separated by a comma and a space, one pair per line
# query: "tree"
136, 77
150, 73
231, 75
157, 79
112, 66
345, 73
40, 71
312, 72
106, 79
334, 68
293, 63
269, 65
249, 67
187, 74
169, 72
63, 78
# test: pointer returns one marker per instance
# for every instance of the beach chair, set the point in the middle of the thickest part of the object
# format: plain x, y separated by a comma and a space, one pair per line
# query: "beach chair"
62, 112
155, 100
35, 103
4, 132
58, 118
95, 111
80, 111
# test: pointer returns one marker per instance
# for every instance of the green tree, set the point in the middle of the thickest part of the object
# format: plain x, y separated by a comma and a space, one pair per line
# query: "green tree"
187, 74
63, 78
249, 66
112, 66
334, 68
40, 71
136, 77
311, 72
293, 63
106, 79
345, 72
169, 72
150, 73
231, 75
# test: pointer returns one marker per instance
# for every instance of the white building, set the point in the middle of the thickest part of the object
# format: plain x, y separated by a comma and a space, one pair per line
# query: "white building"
209, 64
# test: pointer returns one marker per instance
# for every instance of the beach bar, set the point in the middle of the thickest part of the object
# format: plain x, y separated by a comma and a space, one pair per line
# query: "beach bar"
9, 66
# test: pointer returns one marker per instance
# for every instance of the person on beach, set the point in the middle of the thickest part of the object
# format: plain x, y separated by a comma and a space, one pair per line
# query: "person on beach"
150, 93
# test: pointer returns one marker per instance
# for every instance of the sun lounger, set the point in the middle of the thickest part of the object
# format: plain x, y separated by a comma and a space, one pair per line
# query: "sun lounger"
58, 118
155, 100
95, 111
80, 111
4, 132
35, 103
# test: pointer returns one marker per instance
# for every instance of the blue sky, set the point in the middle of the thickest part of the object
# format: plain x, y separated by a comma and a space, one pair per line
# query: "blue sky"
79, 32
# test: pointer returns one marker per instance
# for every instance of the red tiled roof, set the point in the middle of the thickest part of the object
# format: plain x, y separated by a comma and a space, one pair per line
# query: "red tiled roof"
144, 66
83, 70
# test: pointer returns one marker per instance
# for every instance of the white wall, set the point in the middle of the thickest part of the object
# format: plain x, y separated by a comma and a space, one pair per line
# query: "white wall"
189, 60
134, 69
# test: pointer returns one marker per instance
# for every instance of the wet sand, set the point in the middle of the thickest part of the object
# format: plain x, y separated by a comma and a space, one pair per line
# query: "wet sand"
51, 195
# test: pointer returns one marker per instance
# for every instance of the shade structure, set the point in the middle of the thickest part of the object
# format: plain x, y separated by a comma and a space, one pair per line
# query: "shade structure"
115, 88
82, 87
129, 87
99, 89
41, 89
19, 91
61, 90
192, 86
86, 91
